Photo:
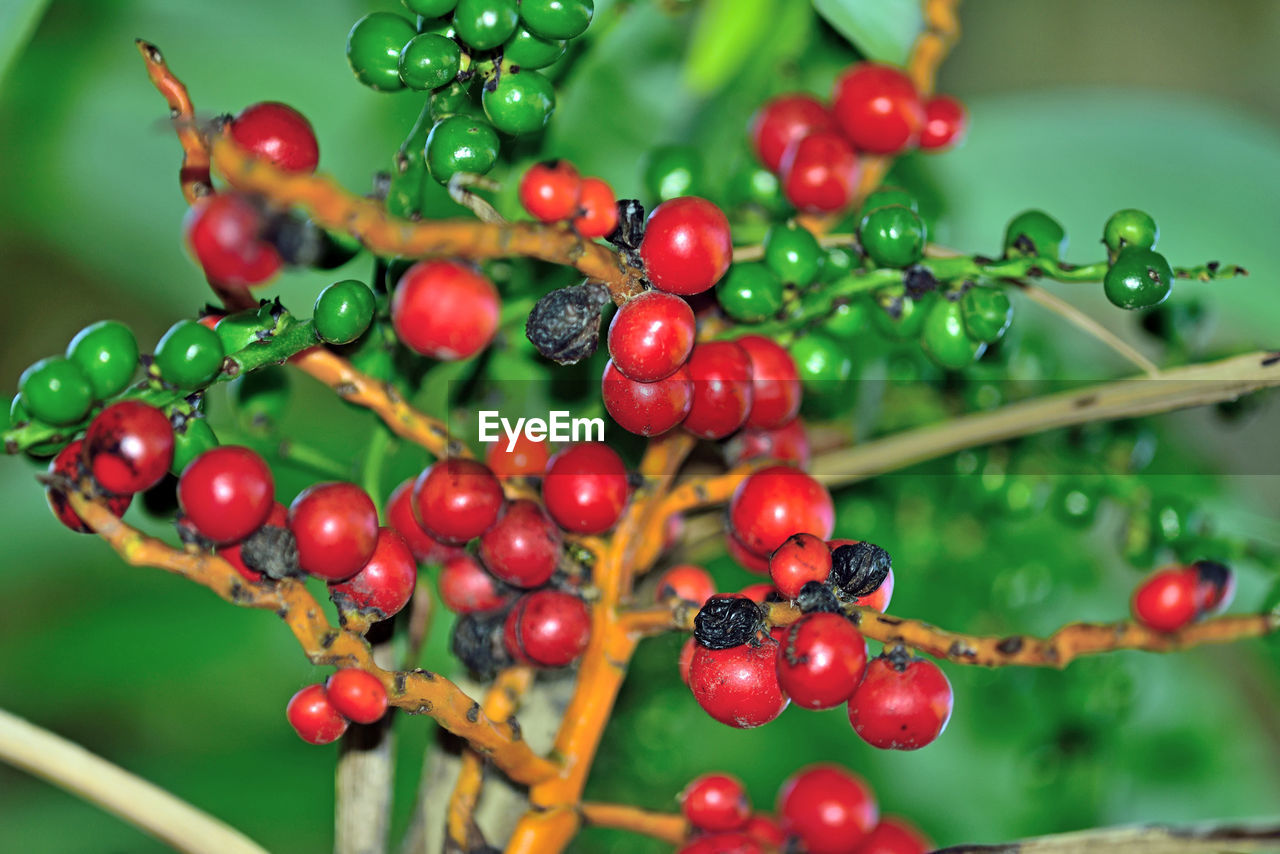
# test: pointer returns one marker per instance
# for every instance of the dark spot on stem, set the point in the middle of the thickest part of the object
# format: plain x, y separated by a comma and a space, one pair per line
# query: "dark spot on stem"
1010, 645
473, 713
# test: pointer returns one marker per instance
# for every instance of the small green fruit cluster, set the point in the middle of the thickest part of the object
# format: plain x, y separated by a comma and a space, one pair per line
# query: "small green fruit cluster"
1139, 277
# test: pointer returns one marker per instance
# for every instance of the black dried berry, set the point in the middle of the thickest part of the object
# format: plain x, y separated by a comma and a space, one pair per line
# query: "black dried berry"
727, 621
273, 551
630, 225
1217, 575
858, 569
565, 324
477, 643
816, 597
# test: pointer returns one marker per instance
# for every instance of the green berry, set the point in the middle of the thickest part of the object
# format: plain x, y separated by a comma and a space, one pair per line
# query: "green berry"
437, 27
260, 397
461, 144
1034, 233
750, 293
1075, 502
107, 352
485, 24
793, 253
886, 196
945, 339
430, 8
1130, 228
56, 391
756, 185
528, 51
671, 171
898, 315
987, 313
429, 61
18, 415
557, 19
847, 321
239, 330
454, 99
192, 438
189, 355
838, 263
1138, 278
344, 311
519, 102
893, 236
373, 49
822, 362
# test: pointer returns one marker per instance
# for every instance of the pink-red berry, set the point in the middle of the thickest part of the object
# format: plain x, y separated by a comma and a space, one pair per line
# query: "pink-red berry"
445, 310
686, 246
227, 493
357, 695
585, 488
336, 527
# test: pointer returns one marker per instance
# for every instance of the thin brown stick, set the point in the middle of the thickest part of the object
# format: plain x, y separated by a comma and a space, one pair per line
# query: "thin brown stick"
669, 827
1087, 324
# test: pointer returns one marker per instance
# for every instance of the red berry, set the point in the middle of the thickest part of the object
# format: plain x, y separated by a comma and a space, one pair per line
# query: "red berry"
746, 558
227, 493
716, 803
279, 517
647, 409
686, 581
129, 447
829, 809
686, 246
336, 526
549, 191
313, 717
877, 108
902, 704
466, 587
945, 122
523, 547
68, 463
782, 121
651, 336
685, 662
224, 232
548, 628
445, 310
278, 134
766, 830
820, 172
895, 835
598, 208
1215, 586
357, 694
787, 444
722, 390
425, 548
1166, 600
775, 383
738, 686
723, 843
457, 500
800, 559
760, 593
774, 503
384, 584
585, 488
525, 457
822, 660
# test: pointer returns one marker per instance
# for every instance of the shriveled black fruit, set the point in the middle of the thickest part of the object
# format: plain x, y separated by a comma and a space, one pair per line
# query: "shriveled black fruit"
816, 597
272, 551
477, 643
727, 621
858, 569
565, 324
630, 225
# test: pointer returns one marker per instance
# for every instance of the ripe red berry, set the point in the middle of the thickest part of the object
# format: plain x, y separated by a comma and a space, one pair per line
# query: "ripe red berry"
686, 246
829, 809
877, 108
647, 409
523, 547
715, 803
128, 447
686, 581
1166, 600
651, 336
820, 172
585, 488
783, 120
525, 457
227, 493
775, 383
425, 548
279, 517
760, 593
787, 444
313, 717
800, 559
894, 835
723, 843
945, 123
466, 587
774, 503
549, 191
384, 584
738, 686
746, 558
767, 831
224, 232
598, 209
445, 310
457, 500
357, 694
1215, 586
278, 134
822, 660
336, 526
548, 628
902, 704
722, 389
69, 464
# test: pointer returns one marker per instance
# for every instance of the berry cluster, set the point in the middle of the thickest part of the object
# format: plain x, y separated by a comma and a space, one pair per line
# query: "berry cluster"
320, 713
1172, 598
553, 191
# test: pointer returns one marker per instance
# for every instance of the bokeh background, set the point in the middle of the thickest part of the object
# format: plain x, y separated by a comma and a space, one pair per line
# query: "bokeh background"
1079, 107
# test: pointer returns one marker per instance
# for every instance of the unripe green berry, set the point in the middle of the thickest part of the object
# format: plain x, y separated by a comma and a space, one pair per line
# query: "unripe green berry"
528, 51
898, 315
1138, 278
461, 144
430, 8
792, 253
1130, 228
429, 61
1034, 233
373, 49
239, 330
485, 24
822, 363
107, 352
671, 171
987, 313
18, 415
848, 320
837, 263
750, 293
945, 339
451, 100
192, 438
343, 311
557, 19
756, 185
519, 102
893, 236
56, 391
886, 196
260, 397
189, 355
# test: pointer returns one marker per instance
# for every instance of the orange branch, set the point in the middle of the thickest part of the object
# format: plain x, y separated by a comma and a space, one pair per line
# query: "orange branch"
669, 827
194, 175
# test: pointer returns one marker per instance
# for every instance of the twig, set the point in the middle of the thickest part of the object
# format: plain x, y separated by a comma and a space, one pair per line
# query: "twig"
669, 827
194, 176
1149, 839
1088, 324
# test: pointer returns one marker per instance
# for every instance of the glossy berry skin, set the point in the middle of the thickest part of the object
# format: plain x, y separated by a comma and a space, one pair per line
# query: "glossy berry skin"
278, 134
651, 336
687, 582
786, 444
585, 488
357, 695
523, 546
877, 108
557, 19
68, 463
56, 391
987, 313
313, 717
525, 458
549, 191
429, 61
532, 51
224, 233
892, 236
445, 310
485, 24
548, 628
400, 516
738, 686
647, 409
750, 293
686, 247
774, 503
895, 835
767, 831
820, 172
467, 588
1130, 228
800, 559
373, 49
829, 809
1138, 278
129, 447
336, 526
107, 352
189, 355
1034, 232
1167, 600
822, 661
715, 803
227, 493
671, 171
775, 383
461, 143
519, 102
901, 709
384, 584
945, 123
723, 843
722, 389
946, 339
792, 253
457, 500
782, 121
343, 311
597, 209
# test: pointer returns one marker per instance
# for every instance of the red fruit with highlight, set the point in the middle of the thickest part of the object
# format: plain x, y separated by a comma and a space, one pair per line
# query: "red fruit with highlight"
227, 493
313, 717
686, 247
651, 336
549, 191
224, 232
385, 583
523, 546
722, 389
336, 526
1167, 599
69, 464
877, 108
457, 500
585, 488
945, 123
686, 581
466, 587
800, 559
400, 516
646, 409
445, 310
278, 134
782, 121
128, 447
786, 444
548, 628
598, 209
775, 383
357, 695
524, 458
830, 810
894, 835
774, 503
738, 686
716, 803
820, 172
822, 661
902, 704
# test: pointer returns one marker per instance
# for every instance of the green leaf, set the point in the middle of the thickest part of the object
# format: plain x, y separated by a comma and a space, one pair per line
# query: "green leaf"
882, 29
727, 34
17, 22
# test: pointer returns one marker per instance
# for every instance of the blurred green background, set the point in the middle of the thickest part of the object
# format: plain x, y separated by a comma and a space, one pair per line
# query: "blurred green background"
1077, 107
